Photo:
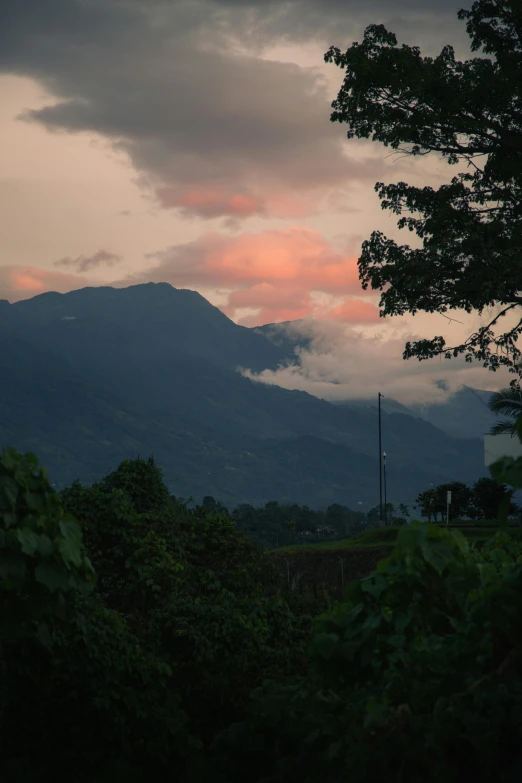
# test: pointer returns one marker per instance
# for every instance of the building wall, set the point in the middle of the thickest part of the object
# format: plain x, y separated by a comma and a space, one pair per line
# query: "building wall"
497, 446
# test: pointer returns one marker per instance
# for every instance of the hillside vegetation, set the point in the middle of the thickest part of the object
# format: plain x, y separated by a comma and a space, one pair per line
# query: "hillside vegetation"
96, 375
322, 570
142, 640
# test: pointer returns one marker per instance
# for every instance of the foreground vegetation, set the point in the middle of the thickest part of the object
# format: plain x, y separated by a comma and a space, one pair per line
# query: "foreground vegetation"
138, 643
322, 570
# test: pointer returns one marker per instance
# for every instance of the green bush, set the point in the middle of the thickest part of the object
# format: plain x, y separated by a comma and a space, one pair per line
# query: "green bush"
42, 559
131, 636
79, 695
142, 482
416, 676
190, 586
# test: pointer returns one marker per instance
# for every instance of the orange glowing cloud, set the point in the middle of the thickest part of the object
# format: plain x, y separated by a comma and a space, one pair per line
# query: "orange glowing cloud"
23, 282
273, 303
355, 311
274, 272
296, 255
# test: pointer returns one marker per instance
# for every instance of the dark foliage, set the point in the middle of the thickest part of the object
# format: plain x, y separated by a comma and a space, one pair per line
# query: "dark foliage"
486, 499
144, 671
470, 112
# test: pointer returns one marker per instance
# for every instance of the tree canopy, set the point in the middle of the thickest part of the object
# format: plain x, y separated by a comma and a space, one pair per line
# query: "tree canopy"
471, 228
486, 499
132, 627
143, 645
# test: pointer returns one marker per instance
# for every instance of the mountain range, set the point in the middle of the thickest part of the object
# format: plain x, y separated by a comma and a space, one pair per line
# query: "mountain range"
97, 375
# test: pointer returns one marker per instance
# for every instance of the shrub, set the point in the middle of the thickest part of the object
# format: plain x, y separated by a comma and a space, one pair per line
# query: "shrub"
189, 585
416, 676
142, 482
79, 695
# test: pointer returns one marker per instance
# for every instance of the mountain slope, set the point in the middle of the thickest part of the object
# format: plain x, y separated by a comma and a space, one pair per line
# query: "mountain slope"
87, 391
172, 319
286, 337
463, 415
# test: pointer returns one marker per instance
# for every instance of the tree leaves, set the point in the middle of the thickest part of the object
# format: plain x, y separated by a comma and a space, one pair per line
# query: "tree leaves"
72, 542
39, 543
182, 634
49, 575
471, 228
403, 677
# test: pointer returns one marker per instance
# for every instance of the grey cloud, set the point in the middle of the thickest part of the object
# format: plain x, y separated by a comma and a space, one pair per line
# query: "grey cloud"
210, 131
85, 263
426, 23
227, 125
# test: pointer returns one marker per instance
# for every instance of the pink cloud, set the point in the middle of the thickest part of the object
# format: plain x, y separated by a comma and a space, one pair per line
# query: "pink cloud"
23, 282
209, 202
274, 303
297, 254
354, 311
274, 272
278, 275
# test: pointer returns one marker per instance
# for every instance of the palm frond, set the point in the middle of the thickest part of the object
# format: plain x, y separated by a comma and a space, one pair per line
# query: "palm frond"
507, 401
504, 427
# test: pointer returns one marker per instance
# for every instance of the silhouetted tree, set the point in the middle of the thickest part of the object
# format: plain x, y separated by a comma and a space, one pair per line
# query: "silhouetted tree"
488, 495
471, 229
142, 482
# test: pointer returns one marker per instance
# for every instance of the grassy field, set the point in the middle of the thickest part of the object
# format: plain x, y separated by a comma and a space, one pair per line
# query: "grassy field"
375, 536
322, 569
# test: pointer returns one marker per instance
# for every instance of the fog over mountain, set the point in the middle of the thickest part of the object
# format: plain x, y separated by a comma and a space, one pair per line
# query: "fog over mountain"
328, 361
94, 376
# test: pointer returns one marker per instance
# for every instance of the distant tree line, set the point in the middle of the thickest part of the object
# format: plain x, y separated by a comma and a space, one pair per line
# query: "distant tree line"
283, 524
481, 501
276, 524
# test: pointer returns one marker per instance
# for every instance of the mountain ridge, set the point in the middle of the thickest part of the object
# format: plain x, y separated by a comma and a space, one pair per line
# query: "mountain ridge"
88, 388
463, 415
160, 306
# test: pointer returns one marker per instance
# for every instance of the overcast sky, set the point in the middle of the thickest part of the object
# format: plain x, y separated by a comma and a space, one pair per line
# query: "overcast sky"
190, 142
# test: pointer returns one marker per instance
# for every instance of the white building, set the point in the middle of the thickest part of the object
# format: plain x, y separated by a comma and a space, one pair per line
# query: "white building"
497, 446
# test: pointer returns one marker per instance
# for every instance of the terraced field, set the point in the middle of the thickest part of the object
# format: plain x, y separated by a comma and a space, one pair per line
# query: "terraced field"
327, 567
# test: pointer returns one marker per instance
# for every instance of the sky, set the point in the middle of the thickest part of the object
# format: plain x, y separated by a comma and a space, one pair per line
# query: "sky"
190, 142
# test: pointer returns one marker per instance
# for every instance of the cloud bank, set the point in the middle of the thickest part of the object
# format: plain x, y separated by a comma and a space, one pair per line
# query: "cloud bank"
209, 132
342, 363
214, 125
210, 127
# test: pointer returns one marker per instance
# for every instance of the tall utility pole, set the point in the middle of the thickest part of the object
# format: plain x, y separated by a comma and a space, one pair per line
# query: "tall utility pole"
385, 498
380, 461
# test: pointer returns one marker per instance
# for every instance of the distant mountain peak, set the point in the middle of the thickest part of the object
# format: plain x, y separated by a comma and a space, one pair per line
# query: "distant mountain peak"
172, 319
99, 374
